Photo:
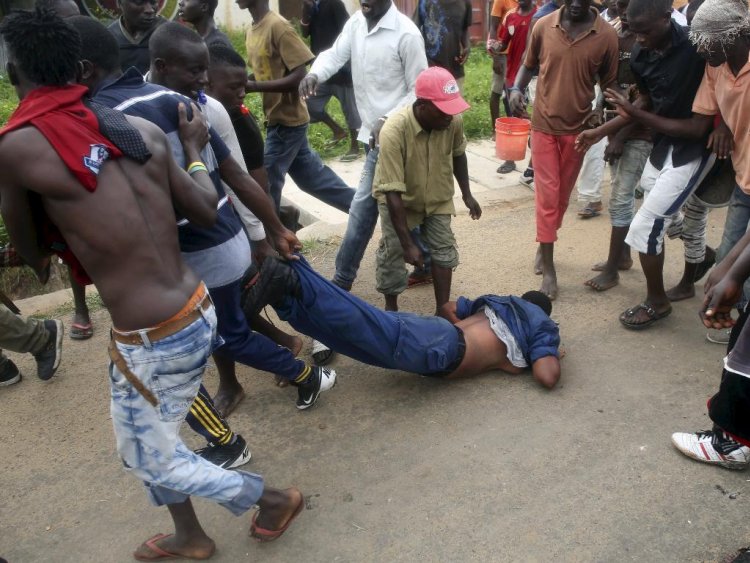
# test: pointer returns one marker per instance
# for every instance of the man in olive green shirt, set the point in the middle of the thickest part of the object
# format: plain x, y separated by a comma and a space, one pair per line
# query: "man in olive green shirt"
422, 147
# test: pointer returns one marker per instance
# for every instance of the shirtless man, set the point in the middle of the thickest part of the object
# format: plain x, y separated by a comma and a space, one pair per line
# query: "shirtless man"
468, 338
113, 199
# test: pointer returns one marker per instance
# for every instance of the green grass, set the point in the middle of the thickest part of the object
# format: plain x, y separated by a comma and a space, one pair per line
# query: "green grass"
476, 120
93, 301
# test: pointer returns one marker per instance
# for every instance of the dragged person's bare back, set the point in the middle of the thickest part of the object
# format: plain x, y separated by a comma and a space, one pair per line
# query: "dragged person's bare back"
484, 350
124, 233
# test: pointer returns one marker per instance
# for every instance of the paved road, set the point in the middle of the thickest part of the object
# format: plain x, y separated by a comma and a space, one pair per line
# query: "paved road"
400, 468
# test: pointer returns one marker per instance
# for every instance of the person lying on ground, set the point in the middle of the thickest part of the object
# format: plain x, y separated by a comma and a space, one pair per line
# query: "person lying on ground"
492, 332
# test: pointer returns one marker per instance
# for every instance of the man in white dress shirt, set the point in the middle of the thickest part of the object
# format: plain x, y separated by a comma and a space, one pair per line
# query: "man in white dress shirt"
387, 54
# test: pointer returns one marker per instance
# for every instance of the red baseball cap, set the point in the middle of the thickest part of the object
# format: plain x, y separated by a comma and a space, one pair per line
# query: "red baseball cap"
438, 86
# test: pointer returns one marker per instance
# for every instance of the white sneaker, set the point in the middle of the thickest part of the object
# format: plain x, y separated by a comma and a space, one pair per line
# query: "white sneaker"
719, 335
717, 448
321, 353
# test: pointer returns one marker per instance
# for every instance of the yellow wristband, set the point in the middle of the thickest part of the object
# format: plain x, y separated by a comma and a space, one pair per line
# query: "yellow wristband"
196, 167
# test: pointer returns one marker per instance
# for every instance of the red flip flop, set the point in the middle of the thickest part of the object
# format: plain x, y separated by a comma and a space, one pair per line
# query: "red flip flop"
80, 331
263, 535
163, 554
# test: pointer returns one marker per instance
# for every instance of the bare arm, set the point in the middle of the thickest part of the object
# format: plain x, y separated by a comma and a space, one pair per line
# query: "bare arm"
461, 173
397, 213
546, 371
200, 203
189, 193
19, 222
448, 312
290, 83
257, 201
695, 127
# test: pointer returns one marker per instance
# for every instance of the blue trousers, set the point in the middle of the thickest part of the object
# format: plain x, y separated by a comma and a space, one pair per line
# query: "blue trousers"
351, 326
245, 346
287, 150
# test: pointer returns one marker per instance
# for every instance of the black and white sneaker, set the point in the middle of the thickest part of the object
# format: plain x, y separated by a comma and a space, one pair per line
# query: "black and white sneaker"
321, 379
9, 373
229, 456
48, 360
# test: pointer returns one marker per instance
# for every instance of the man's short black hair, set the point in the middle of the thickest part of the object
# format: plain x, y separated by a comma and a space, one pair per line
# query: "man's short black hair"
648, 8
540, 300
44, 47
168, 39
212, 4
222, 55
98, 45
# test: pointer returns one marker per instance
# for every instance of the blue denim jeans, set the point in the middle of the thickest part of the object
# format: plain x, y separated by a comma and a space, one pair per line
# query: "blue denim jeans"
287, 151
626, 176
245, 346
735, 226
148, 438
363, 216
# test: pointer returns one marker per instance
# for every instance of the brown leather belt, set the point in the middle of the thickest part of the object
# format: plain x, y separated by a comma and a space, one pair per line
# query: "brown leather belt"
168, 329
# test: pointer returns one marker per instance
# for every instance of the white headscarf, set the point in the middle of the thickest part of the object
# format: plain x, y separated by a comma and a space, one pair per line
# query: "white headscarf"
720, 22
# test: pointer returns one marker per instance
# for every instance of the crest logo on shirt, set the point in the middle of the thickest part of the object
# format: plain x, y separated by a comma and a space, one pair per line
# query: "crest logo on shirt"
451, 88
96, 158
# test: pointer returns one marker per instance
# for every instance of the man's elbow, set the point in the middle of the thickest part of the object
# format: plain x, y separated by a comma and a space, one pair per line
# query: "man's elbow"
548, 379
546, 371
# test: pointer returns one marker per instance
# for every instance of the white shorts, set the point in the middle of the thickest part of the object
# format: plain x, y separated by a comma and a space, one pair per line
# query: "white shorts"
665, 192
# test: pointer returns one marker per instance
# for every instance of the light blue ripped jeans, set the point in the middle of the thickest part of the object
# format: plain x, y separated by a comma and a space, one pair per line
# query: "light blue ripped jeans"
148, 438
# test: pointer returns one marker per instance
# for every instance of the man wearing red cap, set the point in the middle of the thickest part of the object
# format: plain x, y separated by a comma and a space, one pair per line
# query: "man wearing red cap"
422, 147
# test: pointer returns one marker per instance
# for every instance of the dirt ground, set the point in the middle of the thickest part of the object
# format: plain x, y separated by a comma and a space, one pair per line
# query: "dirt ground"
401, 468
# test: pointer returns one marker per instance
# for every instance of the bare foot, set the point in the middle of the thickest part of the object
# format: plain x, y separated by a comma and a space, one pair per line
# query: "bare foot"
549, 286
281, 382
681, 292
277, 510
538, 262
622, 266
162, 546
604, 281
226, 400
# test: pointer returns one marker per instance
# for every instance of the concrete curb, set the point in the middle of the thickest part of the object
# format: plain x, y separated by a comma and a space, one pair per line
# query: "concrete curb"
489, 188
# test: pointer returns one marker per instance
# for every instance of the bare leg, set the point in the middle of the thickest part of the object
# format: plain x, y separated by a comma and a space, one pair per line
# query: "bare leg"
685, 288
619, 254
441, 280
391, 302
353, 143
278, 507
549, 275
189, 538
338, 132
81, 328
230, 393
538, 261
261, 325
653, 268
494, 110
